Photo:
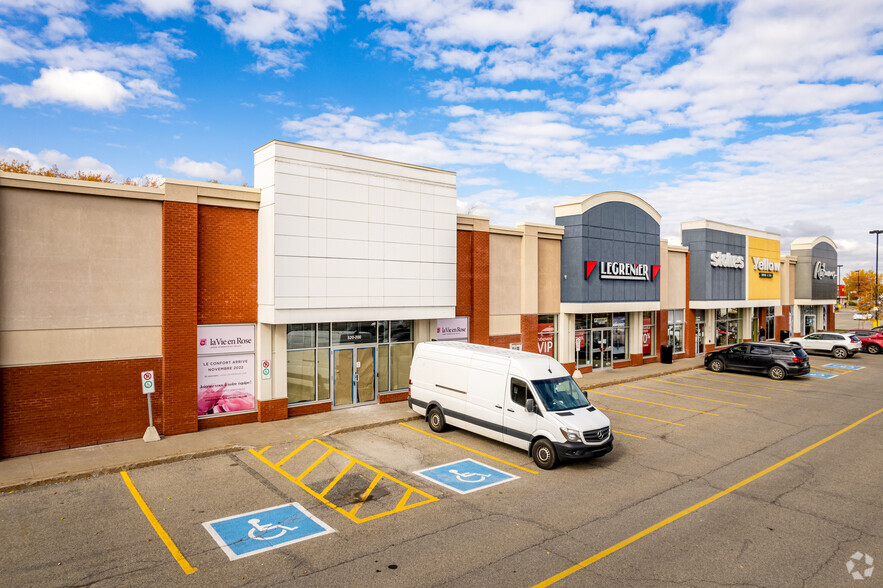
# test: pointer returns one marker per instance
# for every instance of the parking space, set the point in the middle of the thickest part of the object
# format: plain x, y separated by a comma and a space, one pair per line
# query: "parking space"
368, 506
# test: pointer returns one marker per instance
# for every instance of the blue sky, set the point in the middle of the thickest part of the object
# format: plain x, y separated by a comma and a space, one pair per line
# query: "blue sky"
763, 113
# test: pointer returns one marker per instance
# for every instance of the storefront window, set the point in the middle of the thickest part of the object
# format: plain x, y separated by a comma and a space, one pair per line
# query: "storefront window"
383, 368
809, 320
728, 326
400, 364
301, 336
401, 331
648, 333
301, 375
771, 323
676, 330
356, 333
547, 334
620, 339
700, 331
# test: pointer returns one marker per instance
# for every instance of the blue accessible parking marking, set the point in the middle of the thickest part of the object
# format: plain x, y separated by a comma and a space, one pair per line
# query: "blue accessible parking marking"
841, 366
262, 530
466, 476
820, 375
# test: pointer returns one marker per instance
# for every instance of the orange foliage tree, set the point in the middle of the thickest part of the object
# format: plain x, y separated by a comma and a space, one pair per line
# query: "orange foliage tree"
19, 167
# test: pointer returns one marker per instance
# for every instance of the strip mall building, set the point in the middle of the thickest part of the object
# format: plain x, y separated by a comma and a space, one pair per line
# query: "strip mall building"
308, 292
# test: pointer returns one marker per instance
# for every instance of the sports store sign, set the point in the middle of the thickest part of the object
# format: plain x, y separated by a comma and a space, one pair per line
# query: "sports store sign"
226, 368
612, 270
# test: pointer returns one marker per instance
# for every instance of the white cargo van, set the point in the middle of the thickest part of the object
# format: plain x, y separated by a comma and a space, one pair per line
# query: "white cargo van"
524, 399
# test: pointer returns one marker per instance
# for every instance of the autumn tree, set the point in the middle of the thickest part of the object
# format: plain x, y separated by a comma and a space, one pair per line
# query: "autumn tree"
860, 289
18, 167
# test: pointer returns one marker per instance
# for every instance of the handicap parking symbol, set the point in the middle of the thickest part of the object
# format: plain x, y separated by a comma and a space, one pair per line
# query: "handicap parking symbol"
820, 375
841, 366
262, 530
466, 476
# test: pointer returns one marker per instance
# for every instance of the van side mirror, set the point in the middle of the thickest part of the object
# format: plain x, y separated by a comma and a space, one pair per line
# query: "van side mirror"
530, 405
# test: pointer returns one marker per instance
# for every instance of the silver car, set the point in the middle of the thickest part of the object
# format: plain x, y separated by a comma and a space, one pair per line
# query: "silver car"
840, 345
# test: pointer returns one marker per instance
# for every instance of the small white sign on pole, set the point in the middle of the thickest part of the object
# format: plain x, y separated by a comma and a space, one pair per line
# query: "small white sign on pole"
265, 369
147, 382
148, 385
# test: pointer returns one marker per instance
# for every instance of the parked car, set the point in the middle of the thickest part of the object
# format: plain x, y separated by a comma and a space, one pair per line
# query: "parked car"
878, 329
840, 345
777, 360
862, 316
872, 341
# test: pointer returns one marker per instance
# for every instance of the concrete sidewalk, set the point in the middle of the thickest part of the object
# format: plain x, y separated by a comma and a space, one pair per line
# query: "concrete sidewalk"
70, 464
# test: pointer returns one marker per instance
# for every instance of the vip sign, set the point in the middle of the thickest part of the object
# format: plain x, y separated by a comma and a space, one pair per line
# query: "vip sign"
612, 270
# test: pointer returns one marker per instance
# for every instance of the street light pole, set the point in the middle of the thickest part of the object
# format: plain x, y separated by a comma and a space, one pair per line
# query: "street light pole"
876, 276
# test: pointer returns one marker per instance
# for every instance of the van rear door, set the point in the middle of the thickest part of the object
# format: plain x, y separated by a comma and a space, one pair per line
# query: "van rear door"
518, 424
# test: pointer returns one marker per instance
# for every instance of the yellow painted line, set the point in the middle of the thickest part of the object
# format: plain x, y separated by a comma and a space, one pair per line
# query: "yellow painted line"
315, 464
698, 505
683, 395
654, 403
366, 494
639, 416
337, 478
628, 434
176, 553
717, 378
830, 370
508, 463
261, 452
405, 498
751, 377
708, 388
348, 514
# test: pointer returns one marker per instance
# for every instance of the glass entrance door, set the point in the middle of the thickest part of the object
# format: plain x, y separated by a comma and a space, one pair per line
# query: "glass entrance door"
354, 376
601, 351
343, 377
365, 374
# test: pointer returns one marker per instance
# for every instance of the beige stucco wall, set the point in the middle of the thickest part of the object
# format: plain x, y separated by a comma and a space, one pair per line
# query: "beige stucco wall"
549, 283
81, 266
505, 276
676, 278
81, 276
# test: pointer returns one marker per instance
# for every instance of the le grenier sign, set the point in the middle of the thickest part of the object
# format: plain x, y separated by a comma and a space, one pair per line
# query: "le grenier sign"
614, 270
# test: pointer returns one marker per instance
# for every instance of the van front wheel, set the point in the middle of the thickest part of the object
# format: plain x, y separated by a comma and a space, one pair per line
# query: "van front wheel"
436, 419
544, 454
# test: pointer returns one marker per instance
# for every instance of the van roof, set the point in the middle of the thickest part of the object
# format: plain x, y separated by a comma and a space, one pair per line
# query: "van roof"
535, 365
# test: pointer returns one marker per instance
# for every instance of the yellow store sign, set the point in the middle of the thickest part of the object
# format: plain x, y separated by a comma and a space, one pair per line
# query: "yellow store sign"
764, 265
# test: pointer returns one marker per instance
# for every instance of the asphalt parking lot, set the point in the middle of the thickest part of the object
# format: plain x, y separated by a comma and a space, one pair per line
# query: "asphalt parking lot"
714, 479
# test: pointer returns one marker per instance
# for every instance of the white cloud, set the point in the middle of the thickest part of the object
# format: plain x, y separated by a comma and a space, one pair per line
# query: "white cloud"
203, 170
51, 157
62, 27
162, 8
272, 28
88, 89
465, 91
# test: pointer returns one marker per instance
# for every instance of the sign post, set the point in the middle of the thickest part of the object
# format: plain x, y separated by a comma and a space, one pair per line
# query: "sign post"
148, 385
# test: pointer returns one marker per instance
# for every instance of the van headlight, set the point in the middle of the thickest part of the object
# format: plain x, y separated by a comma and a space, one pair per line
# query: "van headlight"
570, 434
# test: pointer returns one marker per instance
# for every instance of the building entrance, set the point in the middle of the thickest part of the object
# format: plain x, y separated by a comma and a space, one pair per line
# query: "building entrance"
602, 353
355, 377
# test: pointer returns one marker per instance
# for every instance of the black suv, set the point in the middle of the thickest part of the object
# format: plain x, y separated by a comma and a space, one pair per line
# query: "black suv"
774, 359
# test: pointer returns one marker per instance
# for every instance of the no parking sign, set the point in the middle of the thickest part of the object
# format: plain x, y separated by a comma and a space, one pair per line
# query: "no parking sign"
265, 369
148, 383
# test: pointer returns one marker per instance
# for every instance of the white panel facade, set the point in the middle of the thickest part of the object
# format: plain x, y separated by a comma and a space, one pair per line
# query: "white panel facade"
353, 238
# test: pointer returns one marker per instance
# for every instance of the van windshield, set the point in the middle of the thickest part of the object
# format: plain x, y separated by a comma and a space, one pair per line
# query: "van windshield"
560, 393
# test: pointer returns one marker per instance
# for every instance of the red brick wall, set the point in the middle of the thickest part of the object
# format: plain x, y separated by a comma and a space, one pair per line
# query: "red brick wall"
473, 283
299, 410
395, 397
661, 331
782, 322
504, 340
273, 410
223, 421
227, 268
59, 406
179, 262
529, 327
